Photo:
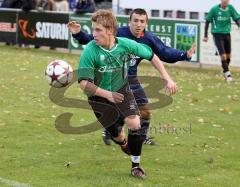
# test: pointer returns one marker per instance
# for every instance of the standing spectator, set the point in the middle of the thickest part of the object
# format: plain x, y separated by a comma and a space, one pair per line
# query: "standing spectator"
85, 6
220, 18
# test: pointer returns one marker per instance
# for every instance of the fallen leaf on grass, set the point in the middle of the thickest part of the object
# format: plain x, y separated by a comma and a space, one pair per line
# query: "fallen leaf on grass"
67, 164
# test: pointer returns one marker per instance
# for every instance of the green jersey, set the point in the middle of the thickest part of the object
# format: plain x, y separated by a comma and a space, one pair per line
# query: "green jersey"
221, 18
108, 69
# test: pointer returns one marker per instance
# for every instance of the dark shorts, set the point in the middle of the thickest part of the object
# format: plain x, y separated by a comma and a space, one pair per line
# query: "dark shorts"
223, 43
138, 92
112, 115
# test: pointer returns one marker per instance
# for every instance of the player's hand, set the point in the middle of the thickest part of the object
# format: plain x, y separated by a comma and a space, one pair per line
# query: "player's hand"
191, 51
74, 27
205, 39
171, 87
115, 97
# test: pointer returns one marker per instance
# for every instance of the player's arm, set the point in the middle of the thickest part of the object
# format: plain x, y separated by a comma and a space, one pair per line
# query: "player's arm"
208, 19
235, 16
80, 36
171, 85
146, 52
205, 38
168, 54
91, 89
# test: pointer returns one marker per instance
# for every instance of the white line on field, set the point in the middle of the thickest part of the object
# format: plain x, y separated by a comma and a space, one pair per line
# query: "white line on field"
13, 183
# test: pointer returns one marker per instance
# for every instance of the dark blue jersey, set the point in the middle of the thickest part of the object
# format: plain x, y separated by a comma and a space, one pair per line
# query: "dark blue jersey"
166, 54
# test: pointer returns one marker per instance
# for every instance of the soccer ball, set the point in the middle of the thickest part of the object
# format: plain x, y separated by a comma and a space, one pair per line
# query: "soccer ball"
59, 73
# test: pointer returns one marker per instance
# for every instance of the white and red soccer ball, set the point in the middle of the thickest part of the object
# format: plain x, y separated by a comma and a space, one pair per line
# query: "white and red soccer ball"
59, 73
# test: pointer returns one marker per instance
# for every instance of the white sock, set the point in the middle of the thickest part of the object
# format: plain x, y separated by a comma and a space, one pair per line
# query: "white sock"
135, 159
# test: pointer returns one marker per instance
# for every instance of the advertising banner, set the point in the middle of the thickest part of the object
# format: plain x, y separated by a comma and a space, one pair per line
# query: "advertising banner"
43, 29
178, 34
8, 26
86, 26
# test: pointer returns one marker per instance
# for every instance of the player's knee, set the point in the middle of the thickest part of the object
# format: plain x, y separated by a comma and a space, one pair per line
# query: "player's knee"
133, 122
224, 57
228, 56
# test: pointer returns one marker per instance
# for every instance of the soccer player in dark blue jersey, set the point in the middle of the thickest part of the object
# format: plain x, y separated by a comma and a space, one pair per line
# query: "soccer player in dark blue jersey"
136, 31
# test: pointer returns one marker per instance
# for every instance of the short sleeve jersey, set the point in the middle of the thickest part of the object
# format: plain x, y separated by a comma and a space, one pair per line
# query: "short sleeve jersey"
221, 18
108, 69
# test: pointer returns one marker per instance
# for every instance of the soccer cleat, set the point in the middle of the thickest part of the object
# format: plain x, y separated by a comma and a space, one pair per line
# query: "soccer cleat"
228, 77
138, 173
125, 149
106, 137
149, 141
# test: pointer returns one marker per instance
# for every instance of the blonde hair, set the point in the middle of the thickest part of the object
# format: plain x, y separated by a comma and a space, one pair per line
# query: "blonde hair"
106, 19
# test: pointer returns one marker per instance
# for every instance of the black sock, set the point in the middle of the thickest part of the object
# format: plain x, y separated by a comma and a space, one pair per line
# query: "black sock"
225, 66
144, 128
135, 141
135, 164
228, 61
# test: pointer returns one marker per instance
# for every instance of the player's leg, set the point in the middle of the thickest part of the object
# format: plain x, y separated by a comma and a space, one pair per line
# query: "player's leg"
143, 105
129, 109
110, 118
118, 136
135, 141
219, 41
145, 113
227, 46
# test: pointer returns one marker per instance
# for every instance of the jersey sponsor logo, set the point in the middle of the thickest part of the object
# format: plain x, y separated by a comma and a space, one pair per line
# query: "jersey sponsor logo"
23, 26
221, 18
109, 69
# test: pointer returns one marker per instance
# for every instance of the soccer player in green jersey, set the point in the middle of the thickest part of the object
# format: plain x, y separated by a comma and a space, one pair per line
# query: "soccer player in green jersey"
220, 18
102, 74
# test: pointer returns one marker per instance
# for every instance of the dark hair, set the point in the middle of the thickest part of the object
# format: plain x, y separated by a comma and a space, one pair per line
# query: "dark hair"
139, 11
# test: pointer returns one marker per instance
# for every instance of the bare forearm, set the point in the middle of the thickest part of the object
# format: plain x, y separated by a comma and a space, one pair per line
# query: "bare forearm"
91, 89
157, 63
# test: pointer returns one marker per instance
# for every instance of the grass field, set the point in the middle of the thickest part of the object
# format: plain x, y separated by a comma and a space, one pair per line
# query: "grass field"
198, 133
